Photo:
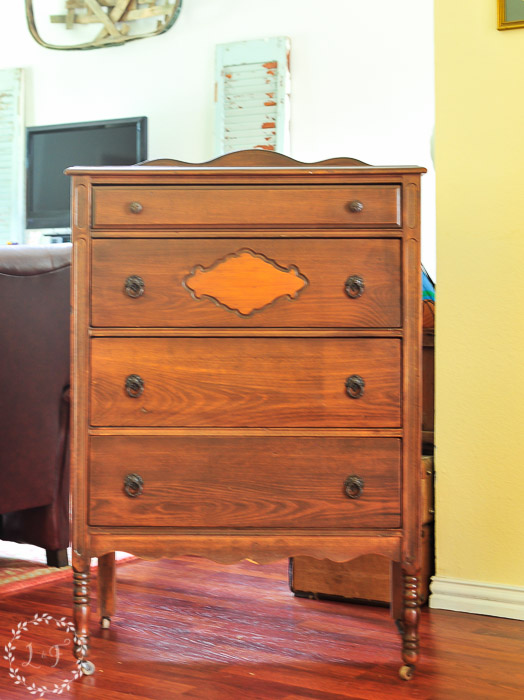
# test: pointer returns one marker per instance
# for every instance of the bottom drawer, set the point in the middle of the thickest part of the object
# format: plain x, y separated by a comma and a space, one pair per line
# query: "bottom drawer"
244, 482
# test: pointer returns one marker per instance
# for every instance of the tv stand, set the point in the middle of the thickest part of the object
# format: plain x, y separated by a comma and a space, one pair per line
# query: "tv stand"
58, 237
45, 236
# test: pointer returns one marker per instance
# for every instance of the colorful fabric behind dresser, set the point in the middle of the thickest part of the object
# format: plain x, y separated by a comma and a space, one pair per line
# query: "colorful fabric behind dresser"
428, 300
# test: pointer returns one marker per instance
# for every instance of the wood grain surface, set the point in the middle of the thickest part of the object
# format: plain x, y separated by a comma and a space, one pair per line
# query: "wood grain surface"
205, 482
243, 205
243, 382
326, 263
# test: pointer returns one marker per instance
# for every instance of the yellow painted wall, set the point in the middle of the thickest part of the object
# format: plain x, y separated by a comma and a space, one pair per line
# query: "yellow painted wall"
479, 158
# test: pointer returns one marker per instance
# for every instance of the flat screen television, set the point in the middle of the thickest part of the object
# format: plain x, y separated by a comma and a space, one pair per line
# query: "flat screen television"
52, 149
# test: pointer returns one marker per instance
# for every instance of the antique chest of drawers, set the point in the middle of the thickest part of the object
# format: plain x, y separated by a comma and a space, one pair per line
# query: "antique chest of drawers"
246, 347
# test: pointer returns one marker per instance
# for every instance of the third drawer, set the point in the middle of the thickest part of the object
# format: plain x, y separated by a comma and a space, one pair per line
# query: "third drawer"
246, 382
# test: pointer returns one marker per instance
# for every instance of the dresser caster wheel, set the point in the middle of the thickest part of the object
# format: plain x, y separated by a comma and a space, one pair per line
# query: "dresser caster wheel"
406, 672
105, 623
87, 668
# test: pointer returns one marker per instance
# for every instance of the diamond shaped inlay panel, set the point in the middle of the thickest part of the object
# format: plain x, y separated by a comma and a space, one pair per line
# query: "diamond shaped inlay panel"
245, 282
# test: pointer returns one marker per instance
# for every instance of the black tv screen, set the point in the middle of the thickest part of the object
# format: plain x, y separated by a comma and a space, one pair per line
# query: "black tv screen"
52, 149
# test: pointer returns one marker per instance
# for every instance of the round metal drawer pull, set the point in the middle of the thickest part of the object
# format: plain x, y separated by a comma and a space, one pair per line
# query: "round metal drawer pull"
134, 386
133, 485
353, 486
135, 207
355, 386
355, 206
134, 286
354, 287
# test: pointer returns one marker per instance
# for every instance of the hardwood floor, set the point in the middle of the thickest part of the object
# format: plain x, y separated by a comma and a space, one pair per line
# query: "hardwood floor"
191, 628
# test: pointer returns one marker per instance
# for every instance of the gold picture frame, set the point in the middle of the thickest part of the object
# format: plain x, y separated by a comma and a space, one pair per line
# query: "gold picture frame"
510, 14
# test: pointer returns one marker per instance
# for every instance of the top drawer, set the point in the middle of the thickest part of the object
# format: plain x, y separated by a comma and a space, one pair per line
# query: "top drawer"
346, 206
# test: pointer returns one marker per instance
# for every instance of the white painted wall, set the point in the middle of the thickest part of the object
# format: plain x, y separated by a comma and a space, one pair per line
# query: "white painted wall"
361, 80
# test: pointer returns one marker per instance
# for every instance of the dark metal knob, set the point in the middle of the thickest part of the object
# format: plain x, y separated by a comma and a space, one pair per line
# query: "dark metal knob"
355, 206
353, 486
134, 386
135, 207
133, 485
134, 286
355, 386
354, 287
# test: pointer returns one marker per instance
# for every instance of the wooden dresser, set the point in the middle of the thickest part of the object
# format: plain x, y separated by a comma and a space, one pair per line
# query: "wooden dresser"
246, 368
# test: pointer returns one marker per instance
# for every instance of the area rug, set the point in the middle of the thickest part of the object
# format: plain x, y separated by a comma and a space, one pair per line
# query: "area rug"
18, 575
23, 567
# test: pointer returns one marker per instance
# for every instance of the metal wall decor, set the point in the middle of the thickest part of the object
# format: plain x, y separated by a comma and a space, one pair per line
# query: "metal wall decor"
92, 24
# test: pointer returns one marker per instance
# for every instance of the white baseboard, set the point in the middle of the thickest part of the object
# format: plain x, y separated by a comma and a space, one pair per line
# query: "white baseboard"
476, 597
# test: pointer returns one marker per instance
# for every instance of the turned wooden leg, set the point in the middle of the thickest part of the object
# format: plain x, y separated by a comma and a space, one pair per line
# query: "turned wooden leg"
81, 608
410, 620
106, 588
397, 594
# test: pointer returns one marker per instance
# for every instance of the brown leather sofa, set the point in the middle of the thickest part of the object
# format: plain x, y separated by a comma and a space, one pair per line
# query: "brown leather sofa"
34, 397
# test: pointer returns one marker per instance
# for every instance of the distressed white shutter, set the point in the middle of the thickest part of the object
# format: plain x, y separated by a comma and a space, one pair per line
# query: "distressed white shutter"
252, 95
12, 220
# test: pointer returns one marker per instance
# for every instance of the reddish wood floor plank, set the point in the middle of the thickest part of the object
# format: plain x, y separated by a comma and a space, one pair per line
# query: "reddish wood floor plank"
194, 629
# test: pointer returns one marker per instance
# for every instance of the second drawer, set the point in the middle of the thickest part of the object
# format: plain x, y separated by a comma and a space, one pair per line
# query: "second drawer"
246, 382
297, 283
